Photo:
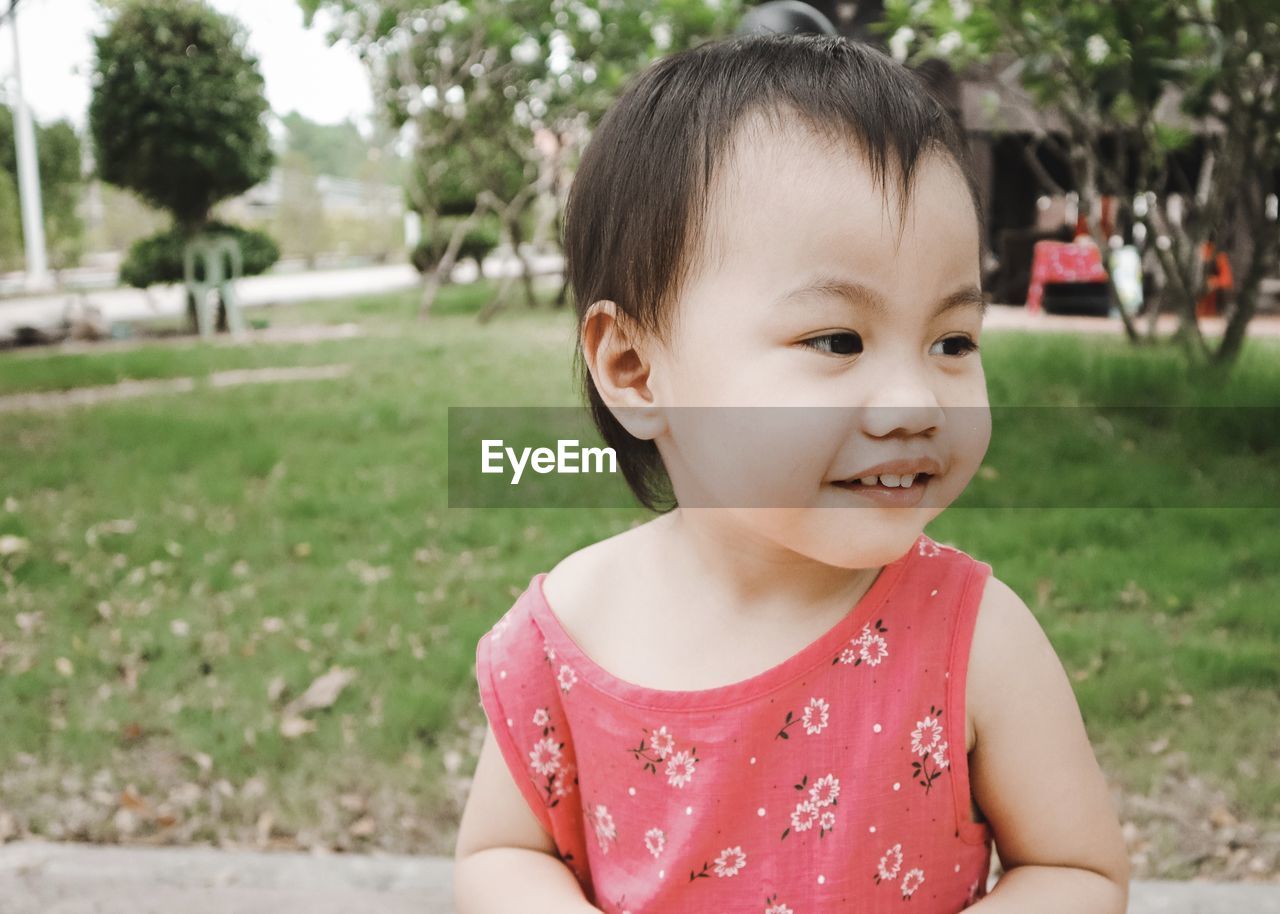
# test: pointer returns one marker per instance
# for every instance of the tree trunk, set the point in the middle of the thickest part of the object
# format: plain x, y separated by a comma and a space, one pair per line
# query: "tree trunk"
562, 294
437, 278
526, 271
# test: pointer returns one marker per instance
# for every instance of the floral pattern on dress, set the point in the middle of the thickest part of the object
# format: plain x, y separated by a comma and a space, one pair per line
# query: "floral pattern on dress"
816, 808
648, 836
814, 719
660, 745
655, 839
891, 865
554, 774
926, 741
911, 882
605, 830
927, 548
566, 677
729, 863
868, 646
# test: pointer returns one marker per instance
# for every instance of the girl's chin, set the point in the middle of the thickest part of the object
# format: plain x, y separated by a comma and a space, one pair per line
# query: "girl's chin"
853, 539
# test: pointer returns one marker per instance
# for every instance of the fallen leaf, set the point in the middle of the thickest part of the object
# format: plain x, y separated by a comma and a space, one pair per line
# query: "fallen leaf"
131, 799
291, 727
1221, 817
351, 802
275, 688
12, 545
123, 526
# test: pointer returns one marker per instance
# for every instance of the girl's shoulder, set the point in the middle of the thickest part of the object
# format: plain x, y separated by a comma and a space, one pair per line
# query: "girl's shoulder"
574, 585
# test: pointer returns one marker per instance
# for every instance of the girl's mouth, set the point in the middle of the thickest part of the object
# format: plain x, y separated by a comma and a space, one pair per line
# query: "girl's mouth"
889, 490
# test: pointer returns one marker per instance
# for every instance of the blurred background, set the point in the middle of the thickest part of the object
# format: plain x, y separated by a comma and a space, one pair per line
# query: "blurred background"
237, 609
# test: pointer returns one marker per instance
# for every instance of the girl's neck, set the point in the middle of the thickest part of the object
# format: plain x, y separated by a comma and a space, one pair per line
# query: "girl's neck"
704, 553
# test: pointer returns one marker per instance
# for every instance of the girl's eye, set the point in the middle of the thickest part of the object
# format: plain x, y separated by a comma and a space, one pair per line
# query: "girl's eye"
960, 346
840, 343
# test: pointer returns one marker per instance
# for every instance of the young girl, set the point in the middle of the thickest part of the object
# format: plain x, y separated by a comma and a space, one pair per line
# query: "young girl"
781, 709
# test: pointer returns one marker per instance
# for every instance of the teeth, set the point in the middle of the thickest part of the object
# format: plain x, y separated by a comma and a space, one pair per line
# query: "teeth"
888, 480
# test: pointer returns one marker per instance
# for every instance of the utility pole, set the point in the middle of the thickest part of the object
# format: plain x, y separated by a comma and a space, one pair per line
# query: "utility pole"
28, 174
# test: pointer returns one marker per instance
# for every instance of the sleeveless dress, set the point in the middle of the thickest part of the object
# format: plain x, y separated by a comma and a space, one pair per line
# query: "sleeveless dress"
836, 780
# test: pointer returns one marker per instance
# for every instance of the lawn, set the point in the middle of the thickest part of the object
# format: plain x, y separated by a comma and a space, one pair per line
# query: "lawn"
179, 568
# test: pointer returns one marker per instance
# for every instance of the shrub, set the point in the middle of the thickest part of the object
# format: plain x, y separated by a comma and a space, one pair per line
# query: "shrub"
477, 243
158, 258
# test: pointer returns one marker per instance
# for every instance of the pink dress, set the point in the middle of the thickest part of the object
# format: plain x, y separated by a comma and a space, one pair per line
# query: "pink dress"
835, 781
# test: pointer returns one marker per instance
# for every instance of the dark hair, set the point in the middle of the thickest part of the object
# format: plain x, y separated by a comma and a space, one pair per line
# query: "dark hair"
637, 208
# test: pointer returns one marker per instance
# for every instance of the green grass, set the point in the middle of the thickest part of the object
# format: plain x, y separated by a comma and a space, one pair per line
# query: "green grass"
322, 505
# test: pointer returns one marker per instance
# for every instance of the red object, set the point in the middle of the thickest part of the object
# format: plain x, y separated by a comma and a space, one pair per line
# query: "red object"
1217, 278
686, 800
1108, 216
1056, 261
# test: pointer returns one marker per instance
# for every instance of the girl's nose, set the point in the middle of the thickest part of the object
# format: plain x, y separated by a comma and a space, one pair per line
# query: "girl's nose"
903, 403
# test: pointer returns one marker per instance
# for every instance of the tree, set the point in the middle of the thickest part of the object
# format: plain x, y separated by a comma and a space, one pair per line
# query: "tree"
61, 182
332, 149
1108, 70
476, 80
177, 108
10, 222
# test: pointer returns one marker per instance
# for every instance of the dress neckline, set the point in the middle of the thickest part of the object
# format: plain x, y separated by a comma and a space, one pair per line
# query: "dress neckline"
821, 650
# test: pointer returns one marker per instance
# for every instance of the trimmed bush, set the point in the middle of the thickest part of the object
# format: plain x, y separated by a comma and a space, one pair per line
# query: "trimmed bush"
158, 258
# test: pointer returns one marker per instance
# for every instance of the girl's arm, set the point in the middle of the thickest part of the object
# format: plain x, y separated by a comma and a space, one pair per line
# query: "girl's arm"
504, 860
1034, 775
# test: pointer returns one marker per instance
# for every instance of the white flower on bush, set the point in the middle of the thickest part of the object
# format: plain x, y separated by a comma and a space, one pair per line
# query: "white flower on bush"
900, 41
1096, 48
950, 42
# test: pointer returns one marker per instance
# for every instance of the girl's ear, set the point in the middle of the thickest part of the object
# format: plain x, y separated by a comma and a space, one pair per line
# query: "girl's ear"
620, 369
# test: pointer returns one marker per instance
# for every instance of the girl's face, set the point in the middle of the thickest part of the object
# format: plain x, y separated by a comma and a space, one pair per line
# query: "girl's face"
801, 389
